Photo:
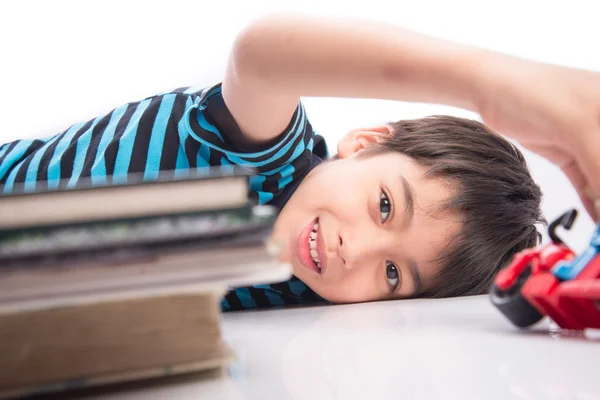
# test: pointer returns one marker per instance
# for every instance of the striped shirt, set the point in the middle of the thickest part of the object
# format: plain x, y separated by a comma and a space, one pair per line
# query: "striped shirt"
179, 130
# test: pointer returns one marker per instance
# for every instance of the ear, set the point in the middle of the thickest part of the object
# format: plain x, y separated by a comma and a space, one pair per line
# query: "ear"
358, 139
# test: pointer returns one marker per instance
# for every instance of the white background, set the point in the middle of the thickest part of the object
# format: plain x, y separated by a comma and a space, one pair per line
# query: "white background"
66, 61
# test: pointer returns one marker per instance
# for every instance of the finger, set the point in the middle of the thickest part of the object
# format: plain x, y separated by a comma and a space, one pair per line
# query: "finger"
594, 202
590, 204
587, 157
579, 182
570, 168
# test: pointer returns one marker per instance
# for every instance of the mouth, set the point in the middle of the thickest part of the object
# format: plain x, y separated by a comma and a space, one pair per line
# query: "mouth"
307, 247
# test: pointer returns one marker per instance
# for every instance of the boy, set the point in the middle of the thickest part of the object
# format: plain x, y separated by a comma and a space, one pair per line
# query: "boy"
431, 207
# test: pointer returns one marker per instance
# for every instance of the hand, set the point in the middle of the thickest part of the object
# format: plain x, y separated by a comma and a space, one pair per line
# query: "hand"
553, 111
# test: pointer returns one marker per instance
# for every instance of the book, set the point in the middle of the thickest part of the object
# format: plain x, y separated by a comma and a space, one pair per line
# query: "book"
108, 342
82, 325
99, 240
115, 297
134, 197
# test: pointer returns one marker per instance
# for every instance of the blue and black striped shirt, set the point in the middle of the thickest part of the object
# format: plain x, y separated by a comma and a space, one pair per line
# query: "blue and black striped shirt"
187, 128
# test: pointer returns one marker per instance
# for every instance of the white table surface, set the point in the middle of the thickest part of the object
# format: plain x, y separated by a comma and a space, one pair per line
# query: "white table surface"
412, 349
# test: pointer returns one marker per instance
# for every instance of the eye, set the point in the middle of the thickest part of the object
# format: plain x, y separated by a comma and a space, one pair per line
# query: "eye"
385, 207
392, 275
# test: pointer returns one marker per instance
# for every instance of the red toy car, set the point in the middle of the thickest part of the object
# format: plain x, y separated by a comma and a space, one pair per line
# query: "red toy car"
551, 280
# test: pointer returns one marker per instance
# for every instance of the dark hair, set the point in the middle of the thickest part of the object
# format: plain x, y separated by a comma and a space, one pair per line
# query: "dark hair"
498, 201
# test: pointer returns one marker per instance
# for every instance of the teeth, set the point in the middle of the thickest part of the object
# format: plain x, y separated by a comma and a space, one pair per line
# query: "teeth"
312, 246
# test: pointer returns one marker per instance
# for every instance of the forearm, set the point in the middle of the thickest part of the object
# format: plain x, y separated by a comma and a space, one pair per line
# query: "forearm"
299, 56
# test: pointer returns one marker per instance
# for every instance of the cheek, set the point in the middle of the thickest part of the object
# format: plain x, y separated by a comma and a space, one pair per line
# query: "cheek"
336, 190
354, 287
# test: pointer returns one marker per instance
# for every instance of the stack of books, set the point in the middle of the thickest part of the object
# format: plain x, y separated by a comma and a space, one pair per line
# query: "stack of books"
101, 284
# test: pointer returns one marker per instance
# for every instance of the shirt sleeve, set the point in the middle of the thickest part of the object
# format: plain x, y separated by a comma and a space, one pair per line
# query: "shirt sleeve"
277, 163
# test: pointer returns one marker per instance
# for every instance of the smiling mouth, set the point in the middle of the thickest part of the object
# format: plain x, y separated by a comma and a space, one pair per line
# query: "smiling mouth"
312, 245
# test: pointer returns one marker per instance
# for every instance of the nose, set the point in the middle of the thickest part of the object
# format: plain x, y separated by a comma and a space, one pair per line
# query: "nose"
340, 244
357, 249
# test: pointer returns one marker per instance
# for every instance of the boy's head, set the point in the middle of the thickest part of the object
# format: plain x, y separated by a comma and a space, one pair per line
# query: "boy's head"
432, 207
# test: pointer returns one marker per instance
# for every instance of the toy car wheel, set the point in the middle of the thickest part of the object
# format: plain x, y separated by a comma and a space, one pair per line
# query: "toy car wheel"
513, 305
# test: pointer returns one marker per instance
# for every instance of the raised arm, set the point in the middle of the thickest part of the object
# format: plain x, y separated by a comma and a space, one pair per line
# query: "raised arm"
552, 110
279, 58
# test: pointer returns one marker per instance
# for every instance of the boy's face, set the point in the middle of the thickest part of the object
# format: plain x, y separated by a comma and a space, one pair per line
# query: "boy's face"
366, 228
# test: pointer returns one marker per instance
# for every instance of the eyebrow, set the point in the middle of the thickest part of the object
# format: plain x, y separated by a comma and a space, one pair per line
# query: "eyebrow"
416, 277
409, 202
409, 212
